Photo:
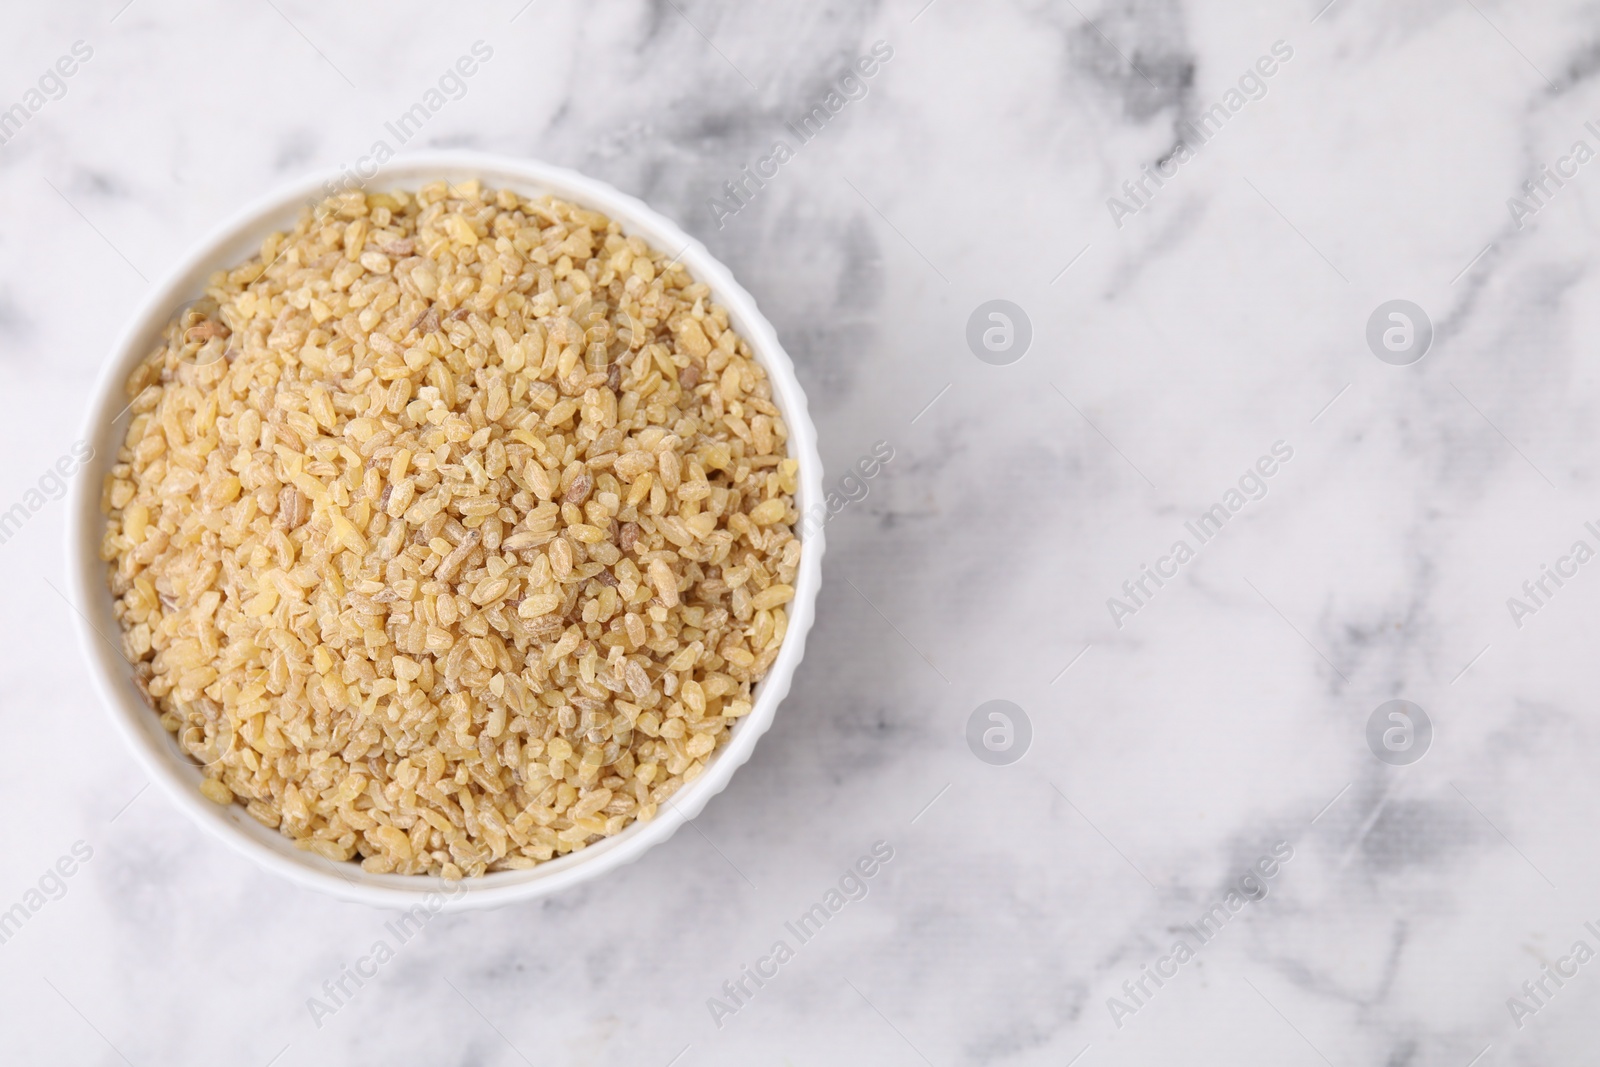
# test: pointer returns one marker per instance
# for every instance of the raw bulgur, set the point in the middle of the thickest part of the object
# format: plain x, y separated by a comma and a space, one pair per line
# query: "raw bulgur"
452, 531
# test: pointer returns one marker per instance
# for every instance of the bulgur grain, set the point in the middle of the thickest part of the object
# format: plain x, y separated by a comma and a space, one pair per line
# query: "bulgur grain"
451, 531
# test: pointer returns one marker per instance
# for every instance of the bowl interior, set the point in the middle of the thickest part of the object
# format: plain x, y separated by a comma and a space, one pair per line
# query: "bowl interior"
233, 243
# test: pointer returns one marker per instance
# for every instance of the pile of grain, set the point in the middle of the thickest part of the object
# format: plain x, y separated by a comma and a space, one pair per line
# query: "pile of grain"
452, 531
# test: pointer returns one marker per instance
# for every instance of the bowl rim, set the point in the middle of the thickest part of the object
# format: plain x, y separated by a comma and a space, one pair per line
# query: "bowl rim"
233, 241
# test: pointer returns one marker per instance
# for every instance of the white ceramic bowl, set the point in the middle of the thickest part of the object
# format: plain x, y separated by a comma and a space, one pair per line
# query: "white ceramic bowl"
233, 243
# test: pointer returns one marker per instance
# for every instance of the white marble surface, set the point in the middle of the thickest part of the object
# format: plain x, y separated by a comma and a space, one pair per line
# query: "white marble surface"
1226, 716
